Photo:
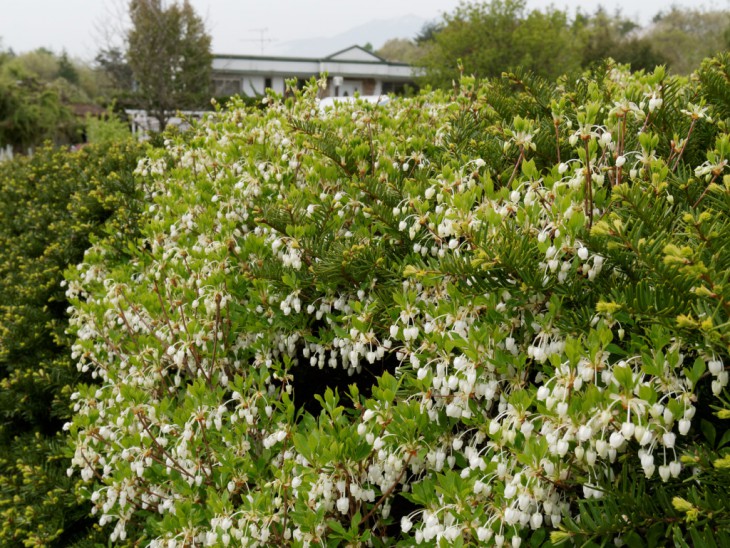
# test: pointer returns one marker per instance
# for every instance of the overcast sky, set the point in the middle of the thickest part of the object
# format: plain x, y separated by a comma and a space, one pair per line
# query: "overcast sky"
78, 26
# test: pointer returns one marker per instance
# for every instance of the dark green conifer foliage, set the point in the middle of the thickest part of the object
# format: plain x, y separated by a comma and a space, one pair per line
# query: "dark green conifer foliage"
51, 206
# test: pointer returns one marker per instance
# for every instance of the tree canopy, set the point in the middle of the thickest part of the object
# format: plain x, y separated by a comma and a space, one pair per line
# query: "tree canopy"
168, 50
499, 35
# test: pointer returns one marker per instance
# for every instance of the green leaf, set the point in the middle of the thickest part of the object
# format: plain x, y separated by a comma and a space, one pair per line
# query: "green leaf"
724, 440
708, 429
624, 375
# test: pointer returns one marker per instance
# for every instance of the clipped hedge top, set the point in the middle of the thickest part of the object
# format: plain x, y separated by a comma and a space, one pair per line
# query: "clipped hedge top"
524, 282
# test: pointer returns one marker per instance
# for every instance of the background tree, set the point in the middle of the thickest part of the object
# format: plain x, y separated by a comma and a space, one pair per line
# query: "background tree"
685, 36
499, 35
401, 50
491, 37
168, 50
603, 35
67, 70
37, 92
30, 112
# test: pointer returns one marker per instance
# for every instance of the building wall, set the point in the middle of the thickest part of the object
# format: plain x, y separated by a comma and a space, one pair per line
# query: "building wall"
253, 85
350, 86
359, 71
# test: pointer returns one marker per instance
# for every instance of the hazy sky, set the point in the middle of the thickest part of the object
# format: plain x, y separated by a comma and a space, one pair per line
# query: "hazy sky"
79, 25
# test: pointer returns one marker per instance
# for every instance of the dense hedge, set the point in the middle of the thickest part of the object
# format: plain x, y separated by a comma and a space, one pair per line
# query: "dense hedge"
482, 317
51, 205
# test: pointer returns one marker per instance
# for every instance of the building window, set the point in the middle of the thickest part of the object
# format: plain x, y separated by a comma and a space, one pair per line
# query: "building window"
226, 86
398, 88
267, 83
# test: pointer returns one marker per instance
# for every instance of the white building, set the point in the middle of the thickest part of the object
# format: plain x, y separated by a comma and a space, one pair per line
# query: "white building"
351, 70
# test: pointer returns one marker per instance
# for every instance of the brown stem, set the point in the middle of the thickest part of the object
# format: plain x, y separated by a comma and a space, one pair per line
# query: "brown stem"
704, 192
132, 334
177, 466
207, 446
101, 480
390, 489
215, 334
517, 165
164, 309
646, 122
588, 202
621, 141
187, 332
684, 145
543, 201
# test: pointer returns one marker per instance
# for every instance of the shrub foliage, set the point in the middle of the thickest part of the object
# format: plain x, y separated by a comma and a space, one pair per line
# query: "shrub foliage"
484, 316
50, 206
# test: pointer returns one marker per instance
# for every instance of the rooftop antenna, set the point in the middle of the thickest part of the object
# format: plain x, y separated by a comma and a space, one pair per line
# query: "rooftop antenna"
261, 40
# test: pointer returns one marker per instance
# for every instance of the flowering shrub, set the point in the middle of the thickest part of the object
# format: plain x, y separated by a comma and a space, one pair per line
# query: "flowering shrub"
514, 299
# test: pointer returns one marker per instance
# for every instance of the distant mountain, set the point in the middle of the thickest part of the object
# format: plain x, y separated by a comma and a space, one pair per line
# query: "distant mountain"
376, 32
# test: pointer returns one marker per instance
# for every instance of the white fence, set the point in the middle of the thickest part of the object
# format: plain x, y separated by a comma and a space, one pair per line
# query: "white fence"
6, 153
143, 124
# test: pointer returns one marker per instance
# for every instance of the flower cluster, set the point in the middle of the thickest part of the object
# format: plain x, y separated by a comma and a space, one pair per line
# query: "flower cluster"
478, 296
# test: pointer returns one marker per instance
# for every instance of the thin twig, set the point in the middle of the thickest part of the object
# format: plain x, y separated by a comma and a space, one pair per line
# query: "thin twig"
390, 489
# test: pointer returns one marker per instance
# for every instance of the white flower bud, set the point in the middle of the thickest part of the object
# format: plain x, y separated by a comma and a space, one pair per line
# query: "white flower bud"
584, 433
343, 504
664, 472
715, 367
675, 467
616, 440
562, 409
563, 447
646, 438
